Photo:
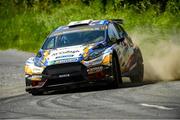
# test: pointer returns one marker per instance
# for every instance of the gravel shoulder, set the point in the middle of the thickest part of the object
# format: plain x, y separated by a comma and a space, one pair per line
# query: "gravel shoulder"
11, 72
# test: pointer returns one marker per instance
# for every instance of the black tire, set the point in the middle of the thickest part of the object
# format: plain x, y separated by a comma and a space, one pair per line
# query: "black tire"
116, 73
139, 69
36, 92
139, 77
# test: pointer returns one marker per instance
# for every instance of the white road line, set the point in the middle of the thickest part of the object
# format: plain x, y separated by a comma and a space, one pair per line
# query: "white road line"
75, 97
156, 106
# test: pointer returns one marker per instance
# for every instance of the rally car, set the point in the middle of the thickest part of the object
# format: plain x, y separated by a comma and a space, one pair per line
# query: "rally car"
84, 51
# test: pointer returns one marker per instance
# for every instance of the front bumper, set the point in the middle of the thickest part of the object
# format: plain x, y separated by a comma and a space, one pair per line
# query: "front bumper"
55, 76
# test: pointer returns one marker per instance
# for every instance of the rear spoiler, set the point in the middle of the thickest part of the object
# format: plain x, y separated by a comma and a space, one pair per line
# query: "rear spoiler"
119, 21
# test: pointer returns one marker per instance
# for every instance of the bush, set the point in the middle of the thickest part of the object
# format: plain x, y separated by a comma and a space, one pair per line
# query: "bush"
24, 24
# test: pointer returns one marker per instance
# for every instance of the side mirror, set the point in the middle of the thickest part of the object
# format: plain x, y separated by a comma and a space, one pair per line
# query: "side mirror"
120, 40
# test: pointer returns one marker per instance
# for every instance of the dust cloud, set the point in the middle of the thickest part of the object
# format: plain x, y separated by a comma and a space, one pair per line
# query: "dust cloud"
161, 59
164, 64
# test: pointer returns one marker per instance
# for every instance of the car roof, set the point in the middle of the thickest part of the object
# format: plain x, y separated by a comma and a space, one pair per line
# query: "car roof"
83, 24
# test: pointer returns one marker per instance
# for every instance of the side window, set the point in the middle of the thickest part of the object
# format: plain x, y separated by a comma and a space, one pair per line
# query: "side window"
112, 33
122, 33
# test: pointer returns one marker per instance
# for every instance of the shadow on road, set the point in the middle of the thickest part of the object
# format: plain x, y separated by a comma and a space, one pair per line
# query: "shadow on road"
96, 87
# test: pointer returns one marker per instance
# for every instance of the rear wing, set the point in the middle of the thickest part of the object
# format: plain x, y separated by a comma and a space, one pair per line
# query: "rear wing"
119, 21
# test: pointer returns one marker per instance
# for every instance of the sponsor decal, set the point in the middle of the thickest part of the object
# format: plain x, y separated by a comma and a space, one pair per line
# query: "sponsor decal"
66, 60
87, 50
73, 31
64, 56
92, 62
64, 75
95, 69
64, 52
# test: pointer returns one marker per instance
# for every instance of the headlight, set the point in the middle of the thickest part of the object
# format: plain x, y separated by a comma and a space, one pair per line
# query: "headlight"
94, 54
38, 70
33, 70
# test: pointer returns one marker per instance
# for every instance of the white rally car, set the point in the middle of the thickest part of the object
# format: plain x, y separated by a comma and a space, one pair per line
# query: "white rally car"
84, 52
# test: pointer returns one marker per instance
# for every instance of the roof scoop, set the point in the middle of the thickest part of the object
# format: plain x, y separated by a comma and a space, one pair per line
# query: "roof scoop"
79, 23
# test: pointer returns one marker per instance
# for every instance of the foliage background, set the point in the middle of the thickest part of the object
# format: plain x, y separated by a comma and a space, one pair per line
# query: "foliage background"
24, 24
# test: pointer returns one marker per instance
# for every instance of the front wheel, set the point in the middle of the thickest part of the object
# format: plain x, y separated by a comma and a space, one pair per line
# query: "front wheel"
116, 73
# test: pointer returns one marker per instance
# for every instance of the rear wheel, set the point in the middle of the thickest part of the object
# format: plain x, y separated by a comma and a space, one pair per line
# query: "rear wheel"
139, 69
140, 73
116, 73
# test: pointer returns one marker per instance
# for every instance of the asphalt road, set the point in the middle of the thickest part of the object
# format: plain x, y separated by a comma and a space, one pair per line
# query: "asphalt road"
146, 100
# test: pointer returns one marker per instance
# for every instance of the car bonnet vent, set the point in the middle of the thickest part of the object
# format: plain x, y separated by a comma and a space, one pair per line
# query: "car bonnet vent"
79, 23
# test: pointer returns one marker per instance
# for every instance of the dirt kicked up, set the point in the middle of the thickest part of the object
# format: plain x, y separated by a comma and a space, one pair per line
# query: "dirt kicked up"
161, 55
164, 64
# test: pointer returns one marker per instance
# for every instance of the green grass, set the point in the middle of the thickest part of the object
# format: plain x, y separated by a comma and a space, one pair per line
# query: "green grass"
27, 29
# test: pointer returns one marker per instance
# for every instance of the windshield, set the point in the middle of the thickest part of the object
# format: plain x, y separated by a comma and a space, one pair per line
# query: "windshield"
74, 38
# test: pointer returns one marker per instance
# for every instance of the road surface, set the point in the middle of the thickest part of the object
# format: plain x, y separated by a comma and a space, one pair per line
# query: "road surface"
146, 100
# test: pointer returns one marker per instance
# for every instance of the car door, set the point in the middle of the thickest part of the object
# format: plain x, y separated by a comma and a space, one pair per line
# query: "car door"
128, 52
119, 48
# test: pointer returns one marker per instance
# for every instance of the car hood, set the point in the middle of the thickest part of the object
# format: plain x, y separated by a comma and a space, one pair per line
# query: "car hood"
64, 54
